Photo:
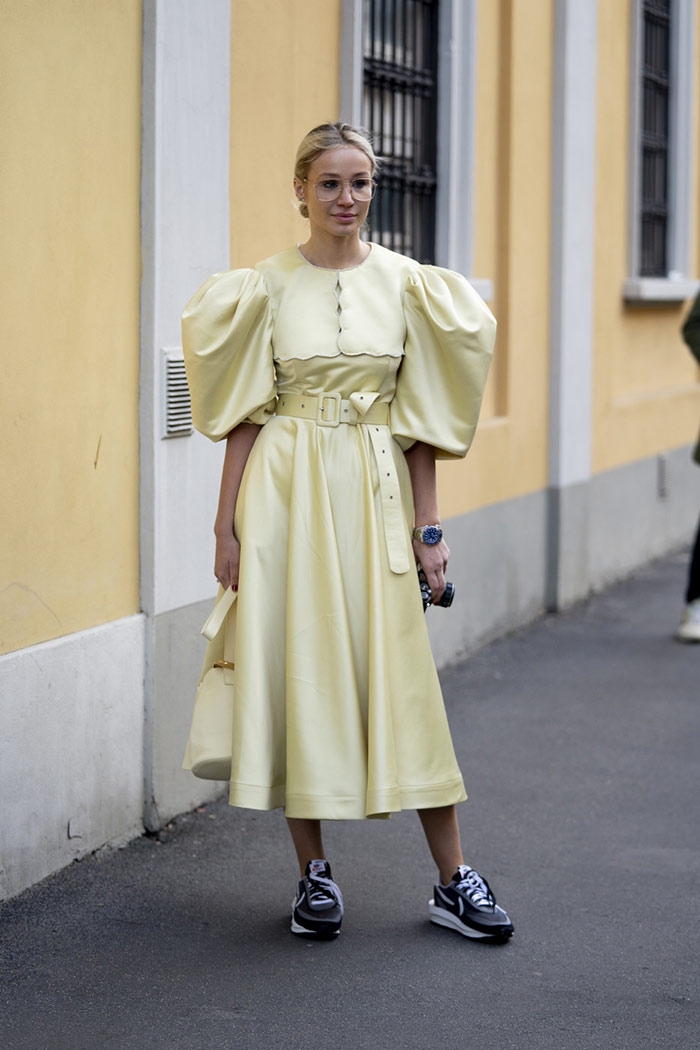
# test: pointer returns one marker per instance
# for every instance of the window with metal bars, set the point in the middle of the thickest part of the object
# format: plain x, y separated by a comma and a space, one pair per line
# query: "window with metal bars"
400, 58
655, 74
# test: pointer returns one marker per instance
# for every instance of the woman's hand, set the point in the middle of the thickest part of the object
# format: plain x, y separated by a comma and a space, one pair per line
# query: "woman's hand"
434, 561
226, 560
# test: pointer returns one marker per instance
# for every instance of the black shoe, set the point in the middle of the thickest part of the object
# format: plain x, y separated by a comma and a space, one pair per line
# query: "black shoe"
466, 904
318, 906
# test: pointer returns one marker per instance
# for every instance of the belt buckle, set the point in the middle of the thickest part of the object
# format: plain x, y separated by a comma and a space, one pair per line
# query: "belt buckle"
322, 399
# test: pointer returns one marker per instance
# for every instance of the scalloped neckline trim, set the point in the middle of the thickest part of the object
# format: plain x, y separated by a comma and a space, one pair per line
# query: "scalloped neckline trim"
340, 353
336, 269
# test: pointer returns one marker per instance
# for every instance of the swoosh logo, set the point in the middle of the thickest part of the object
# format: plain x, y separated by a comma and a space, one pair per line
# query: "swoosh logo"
450, 903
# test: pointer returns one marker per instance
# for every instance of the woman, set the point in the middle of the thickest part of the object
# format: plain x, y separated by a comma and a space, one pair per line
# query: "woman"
337, 371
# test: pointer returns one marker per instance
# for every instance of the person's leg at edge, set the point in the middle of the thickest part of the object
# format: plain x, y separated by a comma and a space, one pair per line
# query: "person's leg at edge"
307, 839
441, 829
689, 629
693, 589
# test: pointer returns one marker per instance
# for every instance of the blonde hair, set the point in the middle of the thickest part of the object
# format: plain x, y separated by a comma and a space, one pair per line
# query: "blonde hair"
330, 136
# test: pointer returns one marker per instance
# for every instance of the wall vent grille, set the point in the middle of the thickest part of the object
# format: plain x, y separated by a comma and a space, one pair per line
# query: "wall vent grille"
177, 413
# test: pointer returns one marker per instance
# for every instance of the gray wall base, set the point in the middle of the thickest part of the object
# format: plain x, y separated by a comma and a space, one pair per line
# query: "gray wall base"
640, 512
568, 544
498, 566
70, 749
514, 560
179, 651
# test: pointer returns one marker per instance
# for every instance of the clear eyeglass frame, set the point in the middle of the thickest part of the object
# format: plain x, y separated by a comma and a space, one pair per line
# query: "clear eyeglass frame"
328, 190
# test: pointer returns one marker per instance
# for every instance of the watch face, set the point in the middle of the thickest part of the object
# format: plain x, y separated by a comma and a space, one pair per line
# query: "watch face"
432, 535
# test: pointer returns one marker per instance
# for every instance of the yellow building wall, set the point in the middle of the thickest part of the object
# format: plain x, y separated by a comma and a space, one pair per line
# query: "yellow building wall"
646, 395
70, 110
512, 247
285, 75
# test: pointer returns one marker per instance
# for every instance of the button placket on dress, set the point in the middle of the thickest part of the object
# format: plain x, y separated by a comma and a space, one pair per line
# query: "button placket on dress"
380, 440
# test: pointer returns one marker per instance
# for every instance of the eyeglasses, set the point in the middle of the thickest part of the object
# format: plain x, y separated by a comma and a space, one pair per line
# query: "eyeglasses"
327, 190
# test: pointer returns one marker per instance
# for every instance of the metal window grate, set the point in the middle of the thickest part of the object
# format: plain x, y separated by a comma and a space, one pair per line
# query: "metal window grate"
654, 138
177, 413
400, 109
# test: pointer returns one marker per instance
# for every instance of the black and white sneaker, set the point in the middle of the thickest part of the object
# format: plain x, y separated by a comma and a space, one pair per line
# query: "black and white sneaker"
317, 908
466, 904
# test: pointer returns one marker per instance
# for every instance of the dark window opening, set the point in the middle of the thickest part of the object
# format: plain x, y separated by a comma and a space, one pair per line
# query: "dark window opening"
654, 138
400, 109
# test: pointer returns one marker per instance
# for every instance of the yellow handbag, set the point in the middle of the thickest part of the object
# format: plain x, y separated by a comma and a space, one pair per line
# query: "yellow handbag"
208, 752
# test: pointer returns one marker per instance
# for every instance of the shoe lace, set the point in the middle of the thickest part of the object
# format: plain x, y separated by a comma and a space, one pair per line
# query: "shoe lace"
322, 891
474, 888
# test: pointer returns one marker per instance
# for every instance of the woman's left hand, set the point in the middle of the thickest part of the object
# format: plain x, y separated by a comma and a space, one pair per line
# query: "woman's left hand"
434, 561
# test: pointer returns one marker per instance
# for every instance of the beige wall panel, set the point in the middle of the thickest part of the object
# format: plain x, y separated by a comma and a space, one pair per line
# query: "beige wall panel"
513, 164
487, 219
488, 469
646, 395
69, 212
488, 87
285, 75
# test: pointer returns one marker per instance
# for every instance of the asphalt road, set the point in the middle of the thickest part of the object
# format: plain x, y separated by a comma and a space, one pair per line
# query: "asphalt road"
578, 739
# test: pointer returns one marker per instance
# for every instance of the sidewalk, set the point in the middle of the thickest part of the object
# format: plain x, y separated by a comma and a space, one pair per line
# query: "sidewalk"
579, 740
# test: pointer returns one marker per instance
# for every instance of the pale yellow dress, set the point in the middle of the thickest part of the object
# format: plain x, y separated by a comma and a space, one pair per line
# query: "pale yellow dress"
338, 709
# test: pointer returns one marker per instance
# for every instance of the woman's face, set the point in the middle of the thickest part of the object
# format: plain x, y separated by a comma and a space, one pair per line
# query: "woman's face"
343, 216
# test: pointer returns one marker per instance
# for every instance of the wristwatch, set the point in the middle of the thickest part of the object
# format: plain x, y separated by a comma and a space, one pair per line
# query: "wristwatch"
428, 534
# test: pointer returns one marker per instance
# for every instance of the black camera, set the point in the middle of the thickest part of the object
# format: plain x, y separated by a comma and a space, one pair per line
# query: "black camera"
427, 595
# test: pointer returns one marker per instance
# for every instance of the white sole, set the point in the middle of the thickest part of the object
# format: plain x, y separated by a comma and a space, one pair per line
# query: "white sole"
440, 917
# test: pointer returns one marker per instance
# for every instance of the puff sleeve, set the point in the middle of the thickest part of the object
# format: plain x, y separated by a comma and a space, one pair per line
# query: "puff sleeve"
450, 333
227, 345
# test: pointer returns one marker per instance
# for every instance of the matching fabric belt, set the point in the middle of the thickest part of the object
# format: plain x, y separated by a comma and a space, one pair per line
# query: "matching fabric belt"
330, 410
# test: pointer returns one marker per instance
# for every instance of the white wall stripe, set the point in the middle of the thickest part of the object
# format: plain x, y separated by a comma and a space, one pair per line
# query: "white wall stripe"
573, 227
185, 234
185, 238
